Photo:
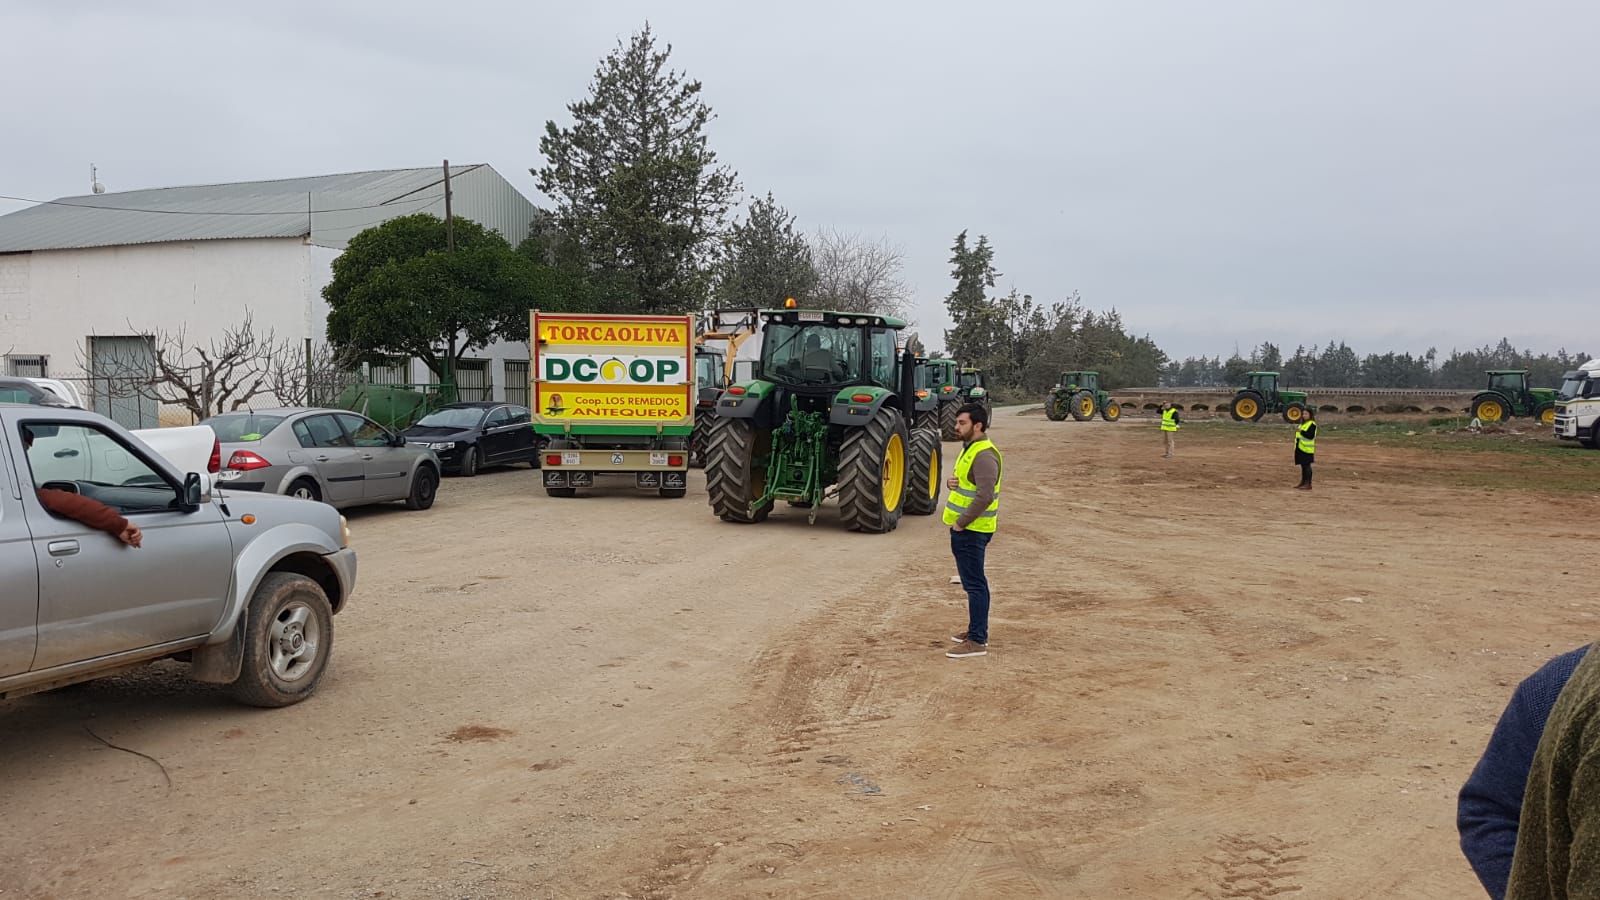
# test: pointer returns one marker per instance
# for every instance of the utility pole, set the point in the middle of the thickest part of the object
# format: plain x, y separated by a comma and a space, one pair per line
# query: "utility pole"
449, 225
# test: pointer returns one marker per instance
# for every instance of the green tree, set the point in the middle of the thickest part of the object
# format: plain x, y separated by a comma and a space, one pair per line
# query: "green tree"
638, 191
767, 259
978, 320
397, 291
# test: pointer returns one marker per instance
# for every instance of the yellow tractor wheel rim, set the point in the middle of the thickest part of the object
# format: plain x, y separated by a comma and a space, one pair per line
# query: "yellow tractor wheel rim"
1114, 410
1086, 406
1490, 411
1246, 407
1294, 414
894, 473
933, 477
1548, 417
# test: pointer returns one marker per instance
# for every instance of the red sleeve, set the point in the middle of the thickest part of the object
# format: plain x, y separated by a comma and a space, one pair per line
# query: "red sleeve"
83, 509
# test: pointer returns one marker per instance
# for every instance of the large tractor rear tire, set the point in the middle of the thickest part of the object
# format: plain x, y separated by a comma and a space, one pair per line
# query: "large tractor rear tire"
947, 421
1294, 413
925, 481
1490, 410
1055, 407
1545, 415
873, 462
1247, 406
1112, 411
929, 420
1082, 406
732, 477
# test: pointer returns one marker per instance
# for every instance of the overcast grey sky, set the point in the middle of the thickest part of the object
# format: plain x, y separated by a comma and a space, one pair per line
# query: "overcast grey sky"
1395, 175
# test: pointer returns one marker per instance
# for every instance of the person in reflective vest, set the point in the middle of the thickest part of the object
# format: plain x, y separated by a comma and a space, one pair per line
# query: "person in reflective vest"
972, 510
1169, 428
1305, 449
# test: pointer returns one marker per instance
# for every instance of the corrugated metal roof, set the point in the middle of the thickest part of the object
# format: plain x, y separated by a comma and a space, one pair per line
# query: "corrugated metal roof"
250, 209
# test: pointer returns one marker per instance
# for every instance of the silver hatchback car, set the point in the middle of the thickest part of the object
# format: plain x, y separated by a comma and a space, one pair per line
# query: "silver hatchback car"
333, 455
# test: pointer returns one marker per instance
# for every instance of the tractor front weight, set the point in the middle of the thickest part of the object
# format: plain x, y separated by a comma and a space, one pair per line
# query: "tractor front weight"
797, 470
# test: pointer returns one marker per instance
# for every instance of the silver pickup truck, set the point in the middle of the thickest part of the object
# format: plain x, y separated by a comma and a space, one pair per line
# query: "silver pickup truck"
243, 588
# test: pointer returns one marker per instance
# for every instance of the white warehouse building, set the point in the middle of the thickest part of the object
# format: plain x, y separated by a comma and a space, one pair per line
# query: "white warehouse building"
85, 281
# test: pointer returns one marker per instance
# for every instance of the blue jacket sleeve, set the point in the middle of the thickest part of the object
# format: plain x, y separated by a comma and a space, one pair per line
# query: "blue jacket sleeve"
1490, 803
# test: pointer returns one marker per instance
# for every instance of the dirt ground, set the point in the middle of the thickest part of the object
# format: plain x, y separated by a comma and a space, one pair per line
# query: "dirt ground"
1202, 684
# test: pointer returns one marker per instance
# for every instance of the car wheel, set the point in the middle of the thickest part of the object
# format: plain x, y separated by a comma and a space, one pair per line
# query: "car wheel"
305, 489
424, 486
288, 636
469, 462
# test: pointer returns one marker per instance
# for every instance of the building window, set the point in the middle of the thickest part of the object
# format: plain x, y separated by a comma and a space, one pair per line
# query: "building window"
472, 380
27, 366
517, 381
391, 370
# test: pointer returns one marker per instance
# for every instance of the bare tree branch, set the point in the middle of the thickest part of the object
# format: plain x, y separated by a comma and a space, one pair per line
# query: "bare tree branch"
858, 275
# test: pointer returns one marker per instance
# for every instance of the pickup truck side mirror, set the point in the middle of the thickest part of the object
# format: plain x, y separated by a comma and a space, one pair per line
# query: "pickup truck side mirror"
194, 492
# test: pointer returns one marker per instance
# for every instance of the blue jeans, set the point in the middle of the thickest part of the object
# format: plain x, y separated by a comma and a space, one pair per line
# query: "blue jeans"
969, 548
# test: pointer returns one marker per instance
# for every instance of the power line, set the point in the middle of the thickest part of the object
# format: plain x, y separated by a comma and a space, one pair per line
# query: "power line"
431, 198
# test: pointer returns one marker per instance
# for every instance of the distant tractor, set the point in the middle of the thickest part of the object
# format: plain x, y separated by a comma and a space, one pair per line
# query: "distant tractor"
943, 378
1079, 396
829, 413
710, 375
1262, 396
1508, 395
972, 388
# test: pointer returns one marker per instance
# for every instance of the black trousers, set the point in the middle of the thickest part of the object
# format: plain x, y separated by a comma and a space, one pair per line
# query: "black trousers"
1305, 471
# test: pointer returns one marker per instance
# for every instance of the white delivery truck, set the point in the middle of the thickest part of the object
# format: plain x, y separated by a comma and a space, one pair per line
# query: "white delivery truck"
1578, 405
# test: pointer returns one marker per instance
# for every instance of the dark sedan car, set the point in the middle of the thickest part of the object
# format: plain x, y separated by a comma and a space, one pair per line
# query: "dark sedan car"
469, 436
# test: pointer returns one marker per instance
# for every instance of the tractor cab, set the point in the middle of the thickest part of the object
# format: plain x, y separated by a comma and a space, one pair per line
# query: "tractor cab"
1080, 381
1263, 383
1512, 382
816, 353
710, 367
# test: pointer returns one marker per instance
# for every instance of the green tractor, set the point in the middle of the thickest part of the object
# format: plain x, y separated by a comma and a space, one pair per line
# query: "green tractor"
1079, 396
1260, 396
1508, 395
943, 380
830, 412
972, 388
925, 409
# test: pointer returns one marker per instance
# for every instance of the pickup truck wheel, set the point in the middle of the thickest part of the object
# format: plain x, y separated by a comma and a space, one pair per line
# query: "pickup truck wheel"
305, 489
288, 636
424, 486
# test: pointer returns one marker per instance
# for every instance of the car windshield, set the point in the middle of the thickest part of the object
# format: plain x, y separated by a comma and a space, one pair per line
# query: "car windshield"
1572, 386
811, 353
453, 417
241, 428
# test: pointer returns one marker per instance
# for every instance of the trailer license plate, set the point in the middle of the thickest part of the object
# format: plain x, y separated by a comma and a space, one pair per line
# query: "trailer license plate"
658, 459
571, 459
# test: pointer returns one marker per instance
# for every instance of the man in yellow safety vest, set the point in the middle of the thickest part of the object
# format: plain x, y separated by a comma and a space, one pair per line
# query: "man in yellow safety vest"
972, 511
1169, 428
1305, 449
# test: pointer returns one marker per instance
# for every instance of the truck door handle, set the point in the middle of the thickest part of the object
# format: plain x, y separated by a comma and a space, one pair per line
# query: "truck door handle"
62, 548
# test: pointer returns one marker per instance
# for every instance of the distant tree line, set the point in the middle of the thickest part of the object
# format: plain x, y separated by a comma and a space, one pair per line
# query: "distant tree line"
1023, 345
1338, 366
